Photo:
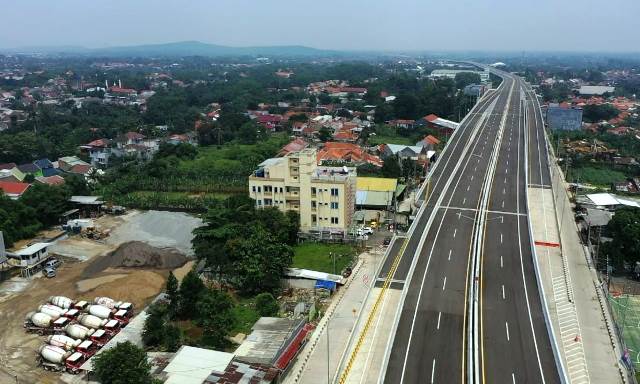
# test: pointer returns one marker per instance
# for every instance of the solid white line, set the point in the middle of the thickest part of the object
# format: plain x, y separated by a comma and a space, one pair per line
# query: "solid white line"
439, 315
506, 325
449, 258
502, 291
433, 370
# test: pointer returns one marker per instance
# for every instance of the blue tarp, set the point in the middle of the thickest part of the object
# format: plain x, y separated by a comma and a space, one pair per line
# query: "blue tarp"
326, 284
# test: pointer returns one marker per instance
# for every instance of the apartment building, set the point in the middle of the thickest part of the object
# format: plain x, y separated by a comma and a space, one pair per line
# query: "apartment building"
324, 197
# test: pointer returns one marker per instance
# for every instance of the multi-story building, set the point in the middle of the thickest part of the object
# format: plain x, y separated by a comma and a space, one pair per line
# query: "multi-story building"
324, 197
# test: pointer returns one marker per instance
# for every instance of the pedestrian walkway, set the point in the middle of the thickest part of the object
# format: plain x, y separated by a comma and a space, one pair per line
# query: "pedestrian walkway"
320, 357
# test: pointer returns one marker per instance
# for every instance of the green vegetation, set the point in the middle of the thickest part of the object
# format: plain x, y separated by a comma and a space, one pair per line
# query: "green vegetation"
593, 113
246, 315
624, 229
266, 304
246, 247
123, 364
317, 256
599, 175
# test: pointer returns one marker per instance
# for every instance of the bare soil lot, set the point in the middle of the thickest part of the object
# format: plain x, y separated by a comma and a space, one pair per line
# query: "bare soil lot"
131, 266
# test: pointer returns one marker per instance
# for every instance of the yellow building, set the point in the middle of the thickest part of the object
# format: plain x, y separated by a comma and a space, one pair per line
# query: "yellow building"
324, 197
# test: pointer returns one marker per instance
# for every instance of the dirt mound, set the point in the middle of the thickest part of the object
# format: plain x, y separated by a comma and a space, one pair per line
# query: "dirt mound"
137, 287
136, 254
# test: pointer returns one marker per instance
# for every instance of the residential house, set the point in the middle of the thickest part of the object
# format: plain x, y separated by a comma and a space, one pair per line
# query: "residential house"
50, 180
99, 151
29, 169
47, 167
294, 146
176, 139
13, 190
270, 122
347, 152
375, 197
429, 142
413, 152
402, 123
444, 127
324, 197
72, 164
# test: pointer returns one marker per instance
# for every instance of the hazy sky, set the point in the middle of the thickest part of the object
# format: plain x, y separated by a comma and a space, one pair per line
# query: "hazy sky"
531, 25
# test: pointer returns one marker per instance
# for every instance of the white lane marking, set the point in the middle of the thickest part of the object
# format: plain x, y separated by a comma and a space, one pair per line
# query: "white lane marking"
449, 258
501, 238
502, 291
455, 231
468, 186
475, 168
439, 315
444, 283
464, 201
506, 325
472, 175
433, 370
501, 262
506, 170
505, 180
513, 378
502, 203
504, 191
501, 219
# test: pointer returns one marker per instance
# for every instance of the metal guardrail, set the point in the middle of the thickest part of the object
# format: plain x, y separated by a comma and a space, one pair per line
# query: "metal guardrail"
562, 371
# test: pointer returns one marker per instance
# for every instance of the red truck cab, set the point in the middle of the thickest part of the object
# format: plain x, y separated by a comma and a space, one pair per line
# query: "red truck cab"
112, 327
88, 348
100, 338
74, 362
123, 316
72, 313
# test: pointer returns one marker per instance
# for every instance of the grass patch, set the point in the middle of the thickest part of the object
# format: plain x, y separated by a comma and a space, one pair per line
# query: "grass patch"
245, 314
316, 256
383, 139
595, 175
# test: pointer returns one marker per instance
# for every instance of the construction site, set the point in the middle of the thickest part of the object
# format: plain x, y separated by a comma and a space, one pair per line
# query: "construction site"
128, 261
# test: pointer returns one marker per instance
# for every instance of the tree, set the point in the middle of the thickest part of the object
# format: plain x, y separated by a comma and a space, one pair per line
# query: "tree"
463, 79
595, 113
391, 168
215, 316
172, 291
324, 134
153, 331
123, 364
624, 229
48, 201
266, 304
248, 132
259, 261
190, 291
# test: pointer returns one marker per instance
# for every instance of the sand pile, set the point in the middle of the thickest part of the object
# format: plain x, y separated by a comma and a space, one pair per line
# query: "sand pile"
137, 287
136, 254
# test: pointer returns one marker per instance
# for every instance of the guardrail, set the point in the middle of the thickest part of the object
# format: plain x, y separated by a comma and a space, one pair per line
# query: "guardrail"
562, 372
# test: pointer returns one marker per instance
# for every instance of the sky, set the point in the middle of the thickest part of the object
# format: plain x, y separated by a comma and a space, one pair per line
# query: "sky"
391, 25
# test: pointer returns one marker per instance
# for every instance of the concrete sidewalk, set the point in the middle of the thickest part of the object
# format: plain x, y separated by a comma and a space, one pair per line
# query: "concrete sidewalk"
601, 347
320, 358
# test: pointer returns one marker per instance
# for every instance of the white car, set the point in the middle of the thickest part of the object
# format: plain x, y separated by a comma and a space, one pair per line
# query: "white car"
366, 230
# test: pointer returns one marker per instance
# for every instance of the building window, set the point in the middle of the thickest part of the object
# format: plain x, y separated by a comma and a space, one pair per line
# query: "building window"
268, 188
314, 219
253, 188
334, 220
334, 191
334, 205
259, 189
259, 202
313, 191
268, 202
313, 205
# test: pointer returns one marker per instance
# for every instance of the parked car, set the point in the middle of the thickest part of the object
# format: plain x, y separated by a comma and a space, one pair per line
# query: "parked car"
366, 230
53, 263
386, 241
49, 272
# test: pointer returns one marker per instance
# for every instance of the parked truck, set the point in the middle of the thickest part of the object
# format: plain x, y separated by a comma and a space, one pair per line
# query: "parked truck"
43, 324
88, 348
63, 341
100, 337
57, 359
78, 331
61, 301
91, 321
51, 310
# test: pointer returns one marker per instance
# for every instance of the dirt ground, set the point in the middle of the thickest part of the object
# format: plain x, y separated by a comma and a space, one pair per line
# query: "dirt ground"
136, 274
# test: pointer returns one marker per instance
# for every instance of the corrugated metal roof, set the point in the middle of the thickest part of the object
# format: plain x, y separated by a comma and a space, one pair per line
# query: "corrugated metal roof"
374, 198
193, 365
376, 184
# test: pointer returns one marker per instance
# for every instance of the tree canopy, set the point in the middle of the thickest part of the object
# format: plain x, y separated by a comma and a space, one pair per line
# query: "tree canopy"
123, 364
624, 229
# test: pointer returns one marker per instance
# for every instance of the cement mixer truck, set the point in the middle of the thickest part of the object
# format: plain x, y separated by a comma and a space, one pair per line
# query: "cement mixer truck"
78, 331
61, 301
63, 341
91, 321
52, 310
100, 337
57, 359
43, 324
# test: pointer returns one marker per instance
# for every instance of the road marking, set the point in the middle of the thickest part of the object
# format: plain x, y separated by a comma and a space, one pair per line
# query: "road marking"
506, 170
468, 186
502, 291
502, 203
513, 378
472, 175
439, 315
500, 238
464, 201
506, 325
504, 191
444, 283
433, 370
475, 168
449, 258
455, 231
505, 180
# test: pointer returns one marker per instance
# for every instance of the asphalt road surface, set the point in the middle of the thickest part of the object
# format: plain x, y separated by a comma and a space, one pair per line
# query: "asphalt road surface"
429, 345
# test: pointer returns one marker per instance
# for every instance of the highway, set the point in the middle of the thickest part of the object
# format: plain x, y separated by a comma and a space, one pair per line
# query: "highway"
476, 202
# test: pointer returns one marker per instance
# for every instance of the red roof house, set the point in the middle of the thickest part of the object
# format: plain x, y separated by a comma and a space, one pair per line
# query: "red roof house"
12, 189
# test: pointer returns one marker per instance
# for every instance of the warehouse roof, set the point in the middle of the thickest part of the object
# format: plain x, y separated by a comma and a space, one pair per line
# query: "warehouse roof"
193, 365
376, 184
374, 198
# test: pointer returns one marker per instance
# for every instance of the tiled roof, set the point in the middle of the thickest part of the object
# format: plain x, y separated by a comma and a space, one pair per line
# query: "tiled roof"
11, 188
